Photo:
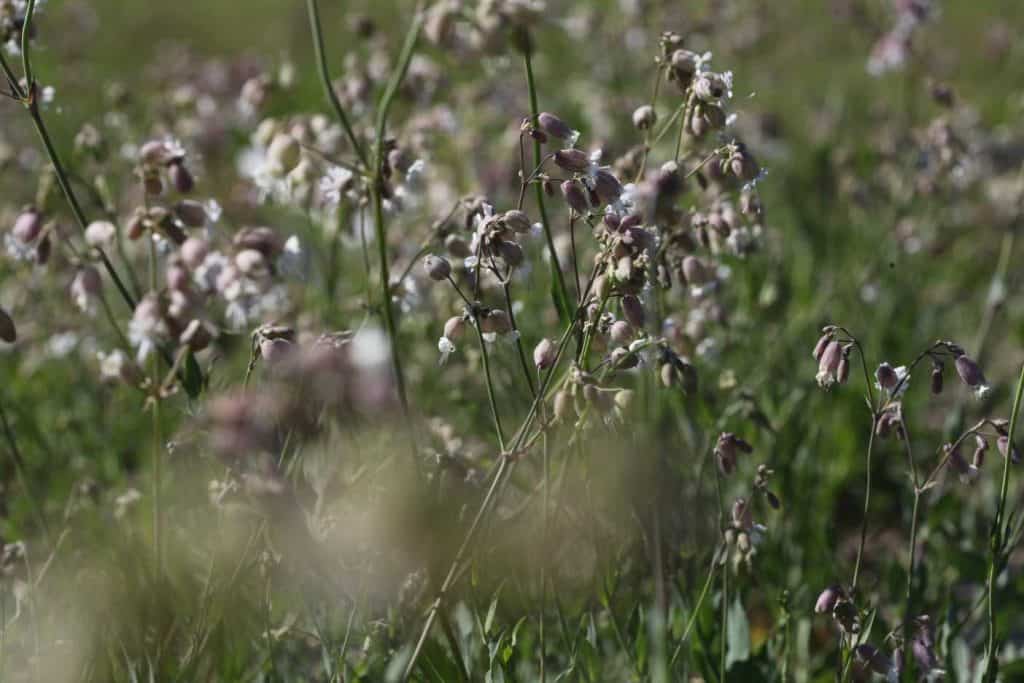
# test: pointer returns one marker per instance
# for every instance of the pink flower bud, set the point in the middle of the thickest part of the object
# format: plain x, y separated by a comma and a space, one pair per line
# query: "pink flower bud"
819, 348
554, 126
544, 354
181, 177
573, 160
644, 117
100, 233
495, 321
27, 226
1003, 444
694, 271
886, 377
633, 310
827, 600
437, 267
193, 252
454, 327
620, 333
575, 197
607, 186
969, 371
191, 213
516, 221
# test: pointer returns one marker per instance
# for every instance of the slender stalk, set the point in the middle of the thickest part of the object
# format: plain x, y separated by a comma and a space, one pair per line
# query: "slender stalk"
725, 624
495, 415
909, 595
561, 291
867, 503
19, 469
696, 611
325, 80
998, 540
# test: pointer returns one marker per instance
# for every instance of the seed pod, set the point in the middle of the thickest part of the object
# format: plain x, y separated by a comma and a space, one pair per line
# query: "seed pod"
843, 371
969, 371
437, 267
694, 271
936, 383
191, 213
511, 253
495, 321
644, 117
27, 226
181, 177
633, 311
273, 351
886, 377
1003, 444
8, 332
573, 160
819, 348
100, 233
607, 186
193, 252
562, 405
251, 262
457, 247
620, 332
454, 327
575, 197
828, 598
554, 126
544, 354
516, 221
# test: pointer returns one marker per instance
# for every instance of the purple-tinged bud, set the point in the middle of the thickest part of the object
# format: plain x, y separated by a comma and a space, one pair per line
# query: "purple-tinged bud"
773, 500
684, 63
193, 252
819, 348
969, 371
251, 262
957, 462
457, 247
612, 221
572, 160
554, 126
191, 213
620, 332
936, 383
710, 87
100, 233
1003, 444
694, 271
516, 221
829, 363
607, 186
575, 197
843, 371
549, 187
437, 267
980, 448
177, 277
8, 332
495, 321
510, 252
871, 657
544, 354
644, 117
827, 600
563, 405
27, 226
454, 327
633, 311
275, 350
262, 239
153, 185
181, 177
886, 377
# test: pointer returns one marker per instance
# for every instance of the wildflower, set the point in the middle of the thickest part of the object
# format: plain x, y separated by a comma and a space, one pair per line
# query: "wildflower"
828, 365
971, 375
544, 354
1004, 446
572, 160
727, 448
85, 288
557, 128
335, 184
437, 267
100, 233
117, 366
27, 226
147, 327
893, 381
644, 117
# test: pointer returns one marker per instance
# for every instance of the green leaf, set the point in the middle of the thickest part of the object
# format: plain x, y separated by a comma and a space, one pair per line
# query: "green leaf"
193, 377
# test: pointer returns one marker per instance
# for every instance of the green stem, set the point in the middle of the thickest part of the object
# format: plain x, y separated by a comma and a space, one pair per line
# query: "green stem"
325, 80
19, 469
561, 291
867, 503
998, 540
696, 611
